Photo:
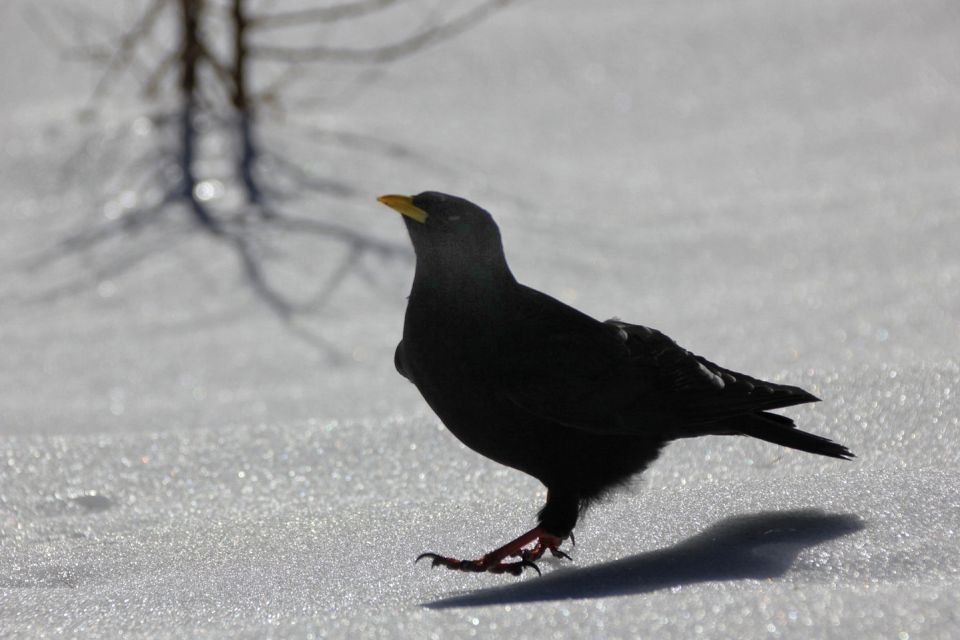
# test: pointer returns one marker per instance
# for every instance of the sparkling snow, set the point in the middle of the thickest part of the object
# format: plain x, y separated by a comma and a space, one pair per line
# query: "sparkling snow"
775, 185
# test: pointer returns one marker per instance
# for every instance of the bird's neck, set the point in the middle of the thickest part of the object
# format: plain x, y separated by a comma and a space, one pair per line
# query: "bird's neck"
486, 280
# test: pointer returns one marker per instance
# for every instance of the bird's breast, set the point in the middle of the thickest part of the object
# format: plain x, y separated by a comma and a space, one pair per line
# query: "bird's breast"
452, 360
444, 353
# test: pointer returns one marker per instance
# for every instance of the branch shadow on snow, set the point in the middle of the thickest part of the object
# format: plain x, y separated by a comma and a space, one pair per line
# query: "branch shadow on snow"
756, 546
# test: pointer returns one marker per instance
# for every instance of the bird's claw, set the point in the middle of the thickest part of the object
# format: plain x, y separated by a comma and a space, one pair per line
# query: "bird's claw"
479, 566
493, 562
545, 543
561, 554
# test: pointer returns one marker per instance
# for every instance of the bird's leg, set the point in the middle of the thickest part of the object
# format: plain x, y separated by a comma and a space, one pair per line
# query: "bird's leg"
493, 562
546, 542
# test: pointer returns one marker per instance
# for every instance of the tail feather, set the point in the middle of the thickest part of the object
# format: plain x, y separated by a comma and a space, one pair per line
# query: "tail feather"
782, 430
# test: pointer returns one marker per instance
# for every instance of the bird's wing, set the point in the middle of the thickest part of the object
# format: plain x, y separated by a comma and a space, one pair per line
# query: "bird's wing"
616, 377
560, 364
694, 389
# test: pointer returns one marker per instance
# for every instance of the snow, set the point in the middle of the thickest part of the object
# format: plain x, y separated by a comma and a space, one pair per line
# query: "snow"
775, 185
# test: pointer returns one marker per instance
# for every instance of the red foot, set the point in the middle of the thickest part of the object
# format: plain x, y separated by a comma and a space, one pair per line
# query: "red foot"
479, 566
493, 561
546, 542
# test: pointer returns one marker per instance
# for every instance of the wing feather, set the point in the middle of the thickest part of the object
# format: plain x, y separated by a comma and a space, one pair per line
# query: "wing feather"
616, 377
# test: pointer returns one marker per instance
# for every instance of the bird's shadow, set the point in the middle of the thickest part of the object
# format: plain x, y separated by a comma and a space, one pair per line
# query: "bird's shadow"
757, 546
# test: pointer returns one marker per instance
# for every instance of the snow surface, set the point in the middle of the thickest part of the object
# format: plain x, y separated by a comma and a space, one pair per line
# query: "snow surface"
774, 184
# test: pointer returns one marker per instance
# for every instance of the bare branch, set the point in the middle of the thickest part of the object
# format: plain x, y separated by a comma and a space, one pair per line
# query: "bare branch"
212, 88
339, 275
253, 269
151, 85
42, 27
304, 178
367, 243
85, 239
387, 53
218, 67
320, 14
114, 267
269, 95
88, 53
123, 56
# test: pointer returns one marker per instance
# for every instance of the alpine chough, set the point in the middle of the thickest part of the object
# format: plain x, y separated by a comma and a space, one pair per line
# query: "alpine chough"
536, 385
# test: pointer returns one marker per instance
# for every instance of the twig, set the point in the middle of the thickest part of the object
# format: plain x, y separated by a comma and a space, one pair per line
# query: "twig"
123, 55
305, 179
309, 225
387, 53
333, 282
320, 14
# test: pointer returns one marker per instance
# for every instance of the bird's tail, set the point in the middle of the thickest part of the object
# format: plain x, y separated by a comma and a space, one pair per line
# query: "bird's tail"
782, 430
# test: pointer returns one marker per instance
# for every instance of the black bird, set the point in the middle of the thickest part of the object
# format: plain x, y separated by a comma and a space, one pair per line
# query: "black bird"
534, 384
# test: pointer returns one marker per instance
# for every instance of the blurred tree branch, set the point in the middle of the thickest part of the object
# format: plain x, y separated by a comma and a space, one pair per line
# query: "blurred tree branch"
333, 13
387, 53
203, 80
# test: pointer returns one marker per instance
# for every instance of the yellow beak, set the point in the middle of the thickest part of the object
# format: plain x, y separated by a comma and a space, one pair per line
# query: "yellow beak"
404, 204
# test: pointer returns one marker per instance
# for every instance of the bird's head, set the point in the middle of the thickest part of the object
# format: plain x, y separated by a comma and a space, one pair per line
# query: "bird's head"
450, 233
